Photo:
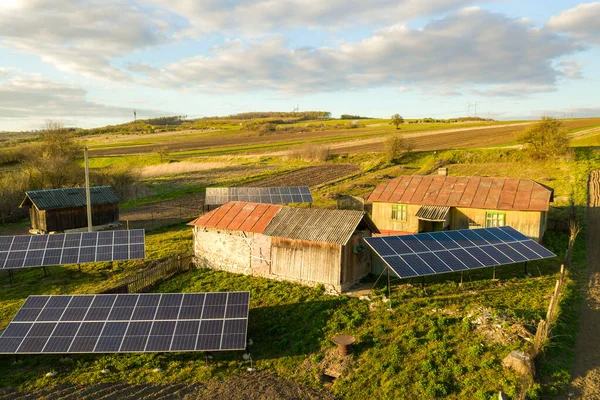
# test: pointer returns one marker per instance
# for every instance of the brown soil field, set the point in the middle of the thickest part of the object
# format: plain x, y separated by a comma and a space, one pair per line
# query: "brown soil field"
309, 176
255, 386
459, 139
424, 140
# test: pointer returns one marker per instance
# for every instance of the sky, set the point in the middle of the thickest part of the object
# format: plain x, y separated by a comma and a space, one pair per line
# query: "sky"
90, 63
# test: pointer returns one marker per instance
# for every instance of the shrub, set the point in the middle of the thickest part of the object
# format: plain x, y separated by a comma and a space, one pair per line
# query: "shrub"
546, 139
314, 152
397, 147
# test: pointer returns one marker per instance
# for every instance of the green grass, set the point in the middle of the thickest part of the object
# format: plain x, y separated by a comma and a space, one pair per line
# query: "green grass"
429, 346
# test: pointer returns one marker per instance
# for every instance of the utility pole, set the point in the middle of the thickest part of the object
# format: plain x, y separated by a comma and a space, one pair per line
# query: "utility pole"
88, 199
468, 109
475, 109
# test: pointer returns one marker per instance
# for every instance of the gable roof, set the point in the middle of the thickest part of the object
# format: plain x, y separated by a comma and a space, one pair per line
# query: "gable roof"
239, 216
470, 192
53, 199
319, 225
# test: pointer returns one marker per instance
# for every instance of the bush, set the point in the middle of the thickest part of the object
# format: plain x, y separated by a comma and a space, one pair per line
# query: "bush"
397, 147
546, 139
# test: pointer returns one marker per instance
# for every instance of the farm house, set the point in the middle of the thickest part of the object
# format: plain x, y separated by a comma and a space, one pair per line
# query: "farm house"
413, 204
60, 210
307, 246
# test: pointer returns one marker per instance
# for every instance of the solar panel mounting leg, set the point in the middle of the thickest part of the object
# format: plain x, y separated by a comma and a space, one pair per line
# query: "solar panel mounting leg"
388, 284
10, 276
494, 274
525, 268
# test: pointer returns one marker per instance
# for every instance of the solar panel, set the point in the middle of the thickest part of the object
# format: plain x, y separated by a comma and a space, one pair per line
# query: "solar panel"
122, 323
451, 251
71, 248
267, 195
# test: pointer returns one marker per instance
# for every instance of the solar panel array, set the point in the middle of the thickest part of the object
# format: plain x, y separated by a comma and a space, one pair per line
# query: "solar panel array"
451, 251
71, 248
129, 323
267, 195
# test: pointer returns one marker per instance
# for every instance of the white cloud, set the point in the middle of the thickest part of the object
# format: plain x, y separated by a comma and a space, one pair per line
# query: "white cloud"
580, 22
260, 16
464, 49
83, 37
27, 99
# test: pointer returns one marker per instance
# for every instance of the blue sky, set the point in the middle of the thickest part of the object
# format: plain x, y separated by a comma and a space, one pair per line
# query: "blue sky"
90, 63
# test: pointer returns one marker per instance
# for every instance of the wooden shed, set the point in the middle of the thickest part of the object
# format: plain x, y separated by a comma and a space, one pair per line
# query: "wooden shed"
308, 246
413, 204
60, 210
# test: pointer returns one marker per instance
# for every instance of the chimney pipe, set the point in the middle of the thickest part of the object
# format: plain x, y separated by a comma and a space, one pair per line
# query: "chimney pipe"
443, 171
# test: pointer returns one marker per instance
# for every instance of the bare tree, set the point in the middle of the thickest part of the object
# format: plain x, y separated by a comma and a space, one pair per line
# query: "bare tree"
162, 151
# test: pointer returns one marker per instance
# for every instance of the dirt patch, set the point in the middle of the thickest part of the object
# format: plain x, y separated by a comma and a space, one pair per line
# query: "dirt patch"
309, 176
250, 386
586, 370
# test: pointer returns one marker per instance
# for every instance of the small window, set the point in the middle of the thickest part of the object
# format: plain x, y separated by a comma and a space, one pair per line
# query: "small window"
399, 212
494, 218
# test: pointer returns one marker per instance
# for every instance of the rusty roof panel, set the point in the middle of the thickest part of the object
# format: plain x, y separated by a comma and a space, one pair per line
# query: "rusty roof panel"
254, 217
433, 190
234, 209
469, 192
421, 189
235, 215
485, 185
446, 190
407, 189
400, 190
507, 196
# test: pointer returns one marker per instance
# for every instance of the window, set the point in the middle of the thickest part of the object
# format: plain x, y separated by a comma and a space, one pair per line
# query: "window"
399, 212
494, 218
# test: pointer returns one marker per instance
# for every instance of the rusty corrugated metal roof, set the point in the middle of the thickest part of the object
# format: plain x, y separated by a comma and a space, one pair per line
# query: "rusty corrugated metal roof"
239, 216
433, 213
470, 192
318, 225
53, 199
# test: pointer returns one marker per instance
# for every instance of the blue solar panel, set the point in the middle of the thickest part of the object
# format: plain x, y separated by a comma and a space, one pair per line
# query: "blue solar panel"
71, 248
128, 323
460, 250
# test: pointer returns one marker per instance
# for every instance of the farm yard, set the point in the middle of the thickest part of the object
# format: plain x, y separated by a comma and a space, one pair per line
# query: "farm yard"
443, 340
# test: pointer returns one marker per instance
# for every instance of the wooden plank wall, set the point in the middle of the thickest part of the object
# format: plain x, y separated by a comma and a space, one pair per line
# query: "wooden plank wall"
306, 261
73, 218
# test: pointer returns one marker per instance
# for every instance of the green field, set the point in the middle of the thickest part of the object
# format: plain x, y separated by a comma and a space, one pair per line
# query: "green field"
422, 345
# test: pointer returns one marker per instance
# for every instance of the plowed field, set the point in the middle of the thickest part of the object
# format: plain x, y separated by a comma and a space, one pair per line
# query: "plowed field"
309, 176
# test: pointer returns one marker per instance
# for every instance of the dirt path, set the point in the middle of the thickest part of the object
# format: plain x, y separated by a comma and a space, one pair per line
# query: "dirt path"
586, 371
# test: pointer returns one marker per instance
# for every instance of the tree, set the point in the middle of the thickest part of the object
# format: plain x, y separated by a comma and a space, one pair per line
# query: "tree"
52, 163
397, 120
397, 147
546, 139
162, 151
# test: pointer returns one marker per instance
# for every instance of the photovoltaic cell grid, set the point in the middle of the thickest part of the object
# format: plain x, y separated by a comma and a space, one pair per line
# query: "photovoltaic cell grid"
451, 251
267, 195
71, 248
129, 323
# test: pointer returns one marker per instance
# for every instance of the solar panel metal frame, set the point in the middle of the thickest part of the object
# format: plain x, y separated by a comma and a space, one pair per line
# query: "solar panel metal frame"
266, 195
456, 250
29, 251
187, 322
